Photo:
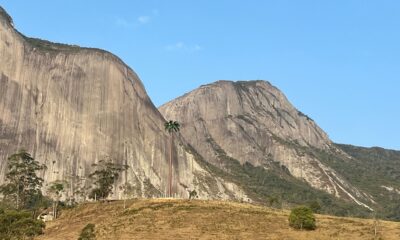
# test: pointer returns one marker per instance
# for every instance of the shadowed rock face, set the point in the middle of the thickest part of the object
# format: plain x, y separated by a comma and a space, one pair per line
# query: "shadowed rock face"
71, 107
253, 122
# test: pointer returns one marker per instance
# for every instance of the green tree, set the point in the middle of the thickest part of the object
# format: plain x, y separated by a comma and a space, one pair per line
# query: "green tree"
81, 190
171, 127
19, 225
22, 185
104, 177
55, 190
301, 218
78, 189
192, 194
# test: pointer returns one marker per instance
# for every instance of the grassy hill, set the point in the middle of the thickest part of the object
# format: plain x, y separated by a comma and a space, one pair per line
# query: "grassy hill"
183, 219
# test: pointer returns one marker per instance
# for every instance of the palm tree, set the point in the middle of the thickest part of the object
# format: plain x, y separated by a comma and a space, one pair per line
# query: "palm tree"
171, 127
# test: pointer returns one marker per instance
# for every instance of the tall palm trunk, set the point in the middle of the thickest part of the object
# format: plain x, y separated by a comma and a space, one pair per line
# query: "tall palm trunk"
171, 126
170, 164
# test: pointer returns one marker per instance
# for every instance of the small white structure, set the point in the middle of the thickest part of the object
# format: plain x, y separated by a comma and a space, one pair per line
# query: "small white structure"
46, 217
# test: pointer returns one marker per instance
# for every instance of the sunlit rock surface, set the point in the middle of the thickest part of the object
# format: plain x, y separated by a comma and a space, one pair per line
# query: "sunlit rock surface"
71, 107
252, 121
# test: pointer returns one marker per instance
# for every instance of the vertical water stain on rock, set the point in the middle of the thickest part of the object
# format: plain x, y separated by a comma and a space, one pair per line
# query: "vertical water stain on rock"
71, 107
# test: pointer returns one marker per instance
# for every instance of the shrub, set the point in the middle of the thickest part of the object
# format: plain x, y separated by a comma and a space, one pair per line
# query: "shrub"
302, 218
274, 201
192, 194
19, 225
87, 233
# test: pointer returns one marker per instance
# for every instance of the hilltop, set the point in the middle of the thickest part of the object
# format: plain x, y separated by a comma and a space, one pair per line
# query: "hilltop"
198, 219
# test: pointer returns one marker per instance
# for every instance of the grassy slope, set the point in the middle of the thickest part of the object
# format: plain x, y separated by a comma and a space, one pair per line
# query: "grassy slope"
182, 219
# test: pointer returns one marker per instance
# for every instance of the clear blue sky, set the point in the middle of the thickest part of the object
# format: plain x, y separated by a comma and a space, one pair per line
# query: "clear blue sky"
337, 61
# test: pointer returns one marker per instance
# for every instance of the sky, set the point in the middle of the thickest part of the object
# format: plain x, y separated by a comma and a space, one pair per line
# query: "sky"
336, 61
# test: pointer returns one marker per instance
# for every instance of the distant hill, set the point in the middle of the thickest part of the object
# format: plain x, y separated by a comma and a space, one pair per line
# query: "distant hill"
255, 137
375, 171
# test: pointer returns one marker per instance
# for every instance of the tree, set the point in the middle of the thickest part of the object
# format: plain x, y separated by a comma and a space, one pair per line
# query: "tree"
22, 185
171, 127
192, 194
301, 218
77, 189
81, 190
104, 177
128, 190
55, 190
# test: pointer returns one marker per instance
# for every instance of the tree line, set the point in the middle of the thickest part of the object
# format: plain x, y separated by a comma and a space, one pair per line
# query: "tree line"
23, 201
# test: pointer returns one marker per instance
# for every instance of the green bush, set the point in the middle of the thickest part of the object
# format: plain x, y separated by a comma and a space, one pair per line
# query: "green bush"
19, 225
302, 218
87, 233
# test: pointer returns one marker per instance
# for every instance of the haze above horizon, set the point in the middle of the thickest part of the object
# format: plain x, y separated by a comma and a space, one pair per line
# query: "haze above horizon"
336, 61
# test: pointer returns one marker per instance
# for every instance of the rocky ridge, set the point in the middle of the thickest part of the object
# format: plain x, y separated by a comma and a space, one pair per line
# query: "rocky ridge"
71, 107
253, 122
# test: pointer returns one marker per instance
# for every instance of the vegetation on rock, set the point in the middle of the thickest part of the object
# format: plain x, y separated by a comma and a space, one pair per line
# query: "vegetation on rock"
104, 177
375, 171
273, 185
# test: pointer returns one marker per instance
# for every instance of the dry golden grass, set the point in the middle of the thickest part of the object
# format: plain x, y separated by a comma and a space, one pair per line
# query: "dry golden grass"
183, 219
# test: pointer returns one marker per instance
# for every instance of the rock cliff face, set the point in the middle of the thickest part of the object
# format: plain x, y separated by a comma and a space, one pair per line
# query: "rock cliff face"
72, 106
253, 122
